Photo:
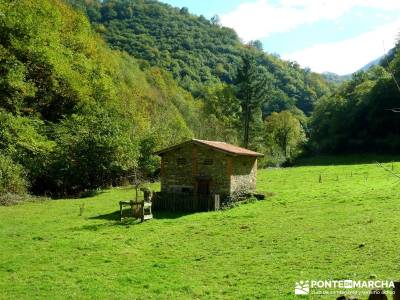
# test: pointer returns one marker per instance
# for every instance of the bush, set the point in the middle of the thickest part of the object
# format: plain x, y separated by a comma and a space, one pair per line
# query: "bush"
241, 195
93, 150
12, 177
11, 199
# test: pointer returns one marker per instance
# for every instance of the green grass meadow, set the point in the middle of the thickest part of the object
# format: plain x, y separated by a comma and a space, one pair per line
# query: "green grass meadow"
345, 227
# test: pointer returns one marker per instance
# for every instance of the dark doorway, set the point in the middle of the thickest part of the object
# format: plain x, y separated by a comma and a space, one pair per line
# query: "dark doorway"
203, 187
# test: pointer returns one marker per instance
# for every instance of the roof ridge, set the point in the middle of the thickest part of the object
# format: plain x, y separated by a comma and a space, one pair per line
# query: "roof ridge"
221, 142
218, 145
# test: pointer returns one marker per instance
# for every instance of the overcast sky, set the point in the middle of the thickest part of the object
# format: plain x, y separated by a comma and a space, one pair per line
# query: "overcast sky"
339, 36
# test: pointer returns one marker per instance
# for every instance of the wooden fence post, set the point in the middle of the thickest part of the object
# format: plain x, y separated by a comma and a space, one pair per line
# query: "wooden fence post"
217, 202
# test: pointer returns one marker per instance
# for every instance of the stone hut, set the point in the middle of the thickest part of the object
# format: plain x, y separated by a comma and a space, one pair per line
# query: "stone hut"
199, 167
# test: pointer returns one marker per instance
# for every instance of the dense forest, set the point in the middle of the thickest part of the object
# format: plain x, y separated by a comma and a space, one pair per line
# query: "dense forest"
198, 52
75, 115
89, 89
362, 115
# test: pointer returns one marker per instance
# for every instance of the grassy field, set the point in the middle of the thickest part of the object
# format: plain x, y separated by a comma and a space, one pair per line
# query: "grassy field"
345, 227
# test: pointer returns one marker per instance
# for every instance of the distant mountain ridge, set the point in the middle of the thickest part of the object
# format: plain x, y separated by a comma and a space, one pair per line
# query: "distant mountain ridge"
335, 78
338, 79
371, 64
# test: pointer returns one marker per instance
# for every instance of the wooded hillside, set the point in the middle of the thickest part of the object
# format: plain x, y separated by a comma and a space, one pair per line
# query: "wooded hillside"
74, 114
198, 52
363, 115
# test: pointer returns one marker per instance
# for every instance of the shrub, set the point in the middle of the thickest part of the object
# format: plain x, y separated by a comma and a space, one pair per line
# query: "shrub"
11, 199
12, 177
95, 149
238, 196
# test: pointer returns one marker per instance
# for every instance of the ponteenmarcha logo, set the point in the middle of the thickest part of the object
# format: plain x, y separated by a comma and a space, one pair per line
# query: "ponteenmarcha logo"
302, 288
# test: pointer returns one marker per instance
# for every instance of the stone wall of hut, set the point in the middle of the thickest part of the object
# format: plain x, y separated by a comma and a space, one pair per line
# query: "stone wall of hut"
244, 175
181, 168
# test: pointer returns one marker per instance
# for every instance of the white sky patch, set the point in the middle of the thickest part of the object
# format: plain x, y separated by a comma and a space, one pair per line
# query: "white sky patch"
260, 18
346, 56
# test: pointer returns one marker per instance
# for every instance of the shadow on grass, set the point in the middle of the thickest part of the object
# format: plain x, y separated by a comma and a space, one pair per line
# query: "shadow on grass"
95, 227
91, 193
170, 215
330, 160
113, 219
115, 216
83, 195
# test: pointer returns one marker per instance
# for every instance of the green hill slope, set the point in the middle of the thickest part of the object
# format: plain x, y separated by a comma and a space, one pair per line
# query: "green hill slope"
75, 114
196, 51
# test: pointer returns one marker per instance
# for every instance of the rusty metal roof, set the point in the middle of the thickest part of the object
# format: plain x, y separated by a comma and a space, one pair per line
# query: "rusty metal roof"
219, 146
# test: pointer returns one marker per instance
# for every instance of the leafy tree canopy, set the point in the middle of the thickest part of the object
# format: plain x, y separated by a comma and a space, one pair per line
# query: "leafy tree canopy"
359, 117
196, 51
74, 113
